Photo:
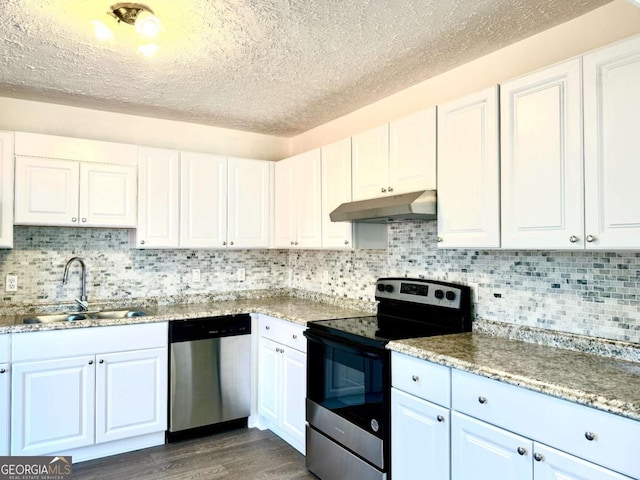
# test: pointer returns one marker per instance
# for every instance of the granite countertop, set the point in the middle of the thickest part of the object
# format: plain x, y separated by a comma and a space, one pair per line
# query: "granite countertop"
601, 382
296, 310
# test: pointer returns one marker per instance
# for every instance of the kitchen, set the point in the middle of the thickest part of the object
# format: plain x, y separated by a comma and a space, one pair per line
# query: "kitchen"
558, 290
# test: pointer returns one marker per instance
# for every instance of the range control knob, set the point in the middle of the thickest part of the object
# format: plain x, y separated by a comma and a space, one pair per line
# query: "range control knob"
451, 295
381, 287
439, 294
388, 288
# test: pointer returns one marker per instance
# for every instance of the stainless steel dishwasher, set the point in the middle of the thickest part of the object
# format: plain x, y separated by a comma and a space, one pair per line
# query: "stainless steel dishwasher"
209, 375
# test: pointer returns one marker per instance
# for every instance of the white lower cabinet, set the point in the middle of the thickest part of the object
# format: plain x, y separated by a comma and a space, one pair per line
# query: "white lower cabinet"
419, 438
484, 452
282, 380
5, 385
552, 464
91, 404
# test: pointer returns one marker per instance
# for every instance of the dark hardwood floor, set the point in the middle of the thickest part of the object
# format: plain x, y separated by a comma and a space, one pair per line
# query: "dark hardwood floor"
242, 454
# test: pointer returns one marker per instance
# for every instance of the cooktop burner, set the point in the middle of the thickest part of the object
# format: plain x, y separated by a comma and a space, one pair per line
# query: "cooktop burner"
407, 308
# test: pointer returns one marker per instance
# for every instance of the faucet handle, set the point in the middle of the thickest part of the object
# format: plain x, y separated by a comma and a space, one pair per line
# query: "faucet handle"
84, 305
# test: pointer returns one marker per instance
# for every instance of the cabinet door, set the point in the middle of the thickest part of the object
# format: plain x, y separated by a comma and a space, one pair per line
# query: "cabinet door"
336, 190
285, 207
131, 394
249, 208
108, 195
469, 171
5, 383
46, 191
52, 406
159, 198
203, 200
612, 143
412, 152
419, 438
269, 380
6, 189
370, 156
541, 164
293, 391
552, 464
308, 196
484, 452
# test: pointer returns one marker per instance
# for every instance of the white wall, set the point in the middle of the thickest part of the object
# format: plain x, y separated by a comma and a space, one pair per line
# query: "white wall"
614, 21
39, 117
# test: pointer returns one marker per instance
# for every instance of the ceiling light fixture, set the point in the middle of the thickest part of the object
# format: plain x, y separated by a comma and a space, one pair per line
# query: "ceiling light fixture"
138, 15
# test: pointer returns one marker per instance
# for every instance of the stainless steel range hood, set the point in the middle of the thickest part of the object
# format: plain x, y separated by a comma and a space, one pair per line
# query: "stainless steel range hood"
392, 208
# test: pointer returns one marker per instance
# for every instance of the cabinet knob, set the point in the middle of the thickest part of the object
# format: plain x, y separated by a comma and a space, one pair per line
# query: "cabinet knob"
231, 242
440, 239
224, 243
3, 370
482, 400
390, 189
440, 418
267, 327
292, 242
141, 242
383, 190
84, 220
101, 360
538, 457
296, 243
590, 238
522, 451
295, 337
346, 242
74, 219
90, 362
590, 436
573, 239
415, 378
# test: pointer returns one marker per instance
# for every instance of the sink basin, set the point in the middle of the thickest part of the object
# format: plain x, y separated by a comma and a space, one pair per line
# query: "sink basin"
91, 315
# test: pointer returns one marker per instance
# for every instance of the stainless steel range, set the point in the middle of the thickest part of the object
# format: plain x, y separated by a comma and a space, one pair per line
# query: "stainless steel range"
349, 374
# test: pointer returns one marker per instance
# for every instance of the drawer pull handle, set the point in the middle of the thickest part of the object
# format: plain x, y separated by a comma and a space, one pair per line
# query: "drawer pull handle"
522, 451
538, 457
590, 436
440, 418
415, 378
482, 400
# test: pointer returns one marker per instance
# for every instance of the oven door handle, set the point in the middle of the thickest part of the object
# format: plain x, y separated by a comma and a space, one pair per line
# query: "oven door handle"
329, 341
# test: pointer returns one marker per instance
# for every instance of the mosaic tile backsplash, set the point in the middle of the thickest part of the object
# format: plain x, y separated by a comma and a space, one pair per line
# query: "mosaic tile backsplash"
588, 293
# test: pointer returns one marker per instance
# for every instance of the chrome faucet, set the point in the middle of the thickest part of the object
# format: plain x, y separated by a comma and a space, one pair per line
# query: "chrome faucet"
82, 301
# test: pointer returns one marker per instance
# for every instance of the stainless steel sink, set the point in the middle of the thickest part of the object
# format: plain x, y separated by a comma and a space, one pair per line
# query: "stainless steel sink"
90, 315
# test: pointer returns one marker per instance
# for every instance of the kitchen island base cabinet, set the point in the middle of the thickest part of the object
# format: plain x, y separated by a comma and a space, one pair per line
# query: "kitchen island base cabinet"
282, 380
92, 404
419, 438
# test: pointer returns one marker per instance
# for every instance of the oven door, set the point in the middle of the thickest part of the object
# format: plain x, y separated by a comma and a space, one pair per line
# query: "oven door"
350, 380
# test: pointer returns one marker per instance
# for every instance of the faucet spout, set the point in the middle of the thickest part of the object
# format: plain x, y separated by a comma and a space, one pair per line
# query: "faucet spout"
82, 301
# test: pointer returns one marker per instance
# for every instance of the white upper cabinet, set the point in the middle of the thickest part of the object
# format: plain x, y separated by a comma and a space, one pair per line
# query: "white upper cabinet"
203, 204
336, 190
74, 182
412, 152
370, 163
398, 157
249, 205
298, 213
612, 143
196, 200
6, 189
469, 171
541, 162
159, 198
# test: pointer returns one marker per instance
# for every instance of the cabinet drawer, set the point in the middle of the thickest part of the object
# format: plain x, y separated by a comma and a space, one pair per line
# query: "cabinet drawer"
284, 332
88, 341
5, 345
599, 437
421, 378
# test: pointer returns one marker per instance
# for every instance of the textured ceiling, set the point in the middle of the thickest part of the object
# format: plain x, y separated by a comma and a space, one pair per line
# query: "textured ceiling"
278, 67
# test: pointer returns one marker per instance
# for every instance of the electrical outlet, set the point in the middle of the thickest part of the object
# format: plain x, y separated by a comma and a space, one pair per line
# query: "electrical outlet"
325, 276
11, 283
241, 274
195, 275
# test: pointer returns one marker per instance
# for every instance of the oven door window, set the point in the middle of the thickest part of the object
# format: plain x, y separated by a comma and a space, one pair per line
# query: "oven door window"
349, 381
